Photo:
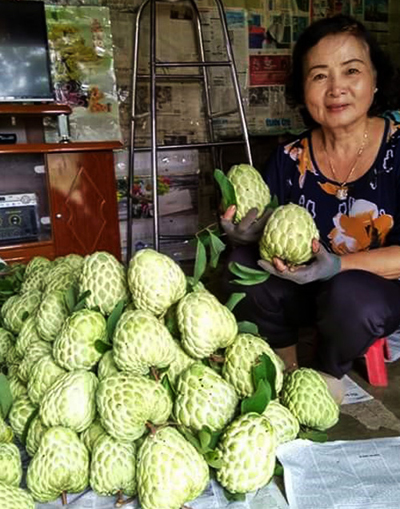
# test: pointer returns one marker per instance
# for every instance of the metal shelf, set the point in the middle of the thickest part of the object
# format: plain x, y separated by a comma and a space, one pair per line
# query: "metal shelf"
203, 65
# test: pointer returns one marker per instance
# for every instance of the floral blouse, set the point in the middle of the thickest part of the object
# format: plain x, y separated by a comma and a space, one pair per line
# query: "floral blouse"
367, 219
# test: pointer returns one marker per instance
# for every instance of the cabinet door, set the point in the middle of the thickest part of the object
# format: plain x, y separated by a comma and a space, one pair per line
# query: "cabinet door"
84, 202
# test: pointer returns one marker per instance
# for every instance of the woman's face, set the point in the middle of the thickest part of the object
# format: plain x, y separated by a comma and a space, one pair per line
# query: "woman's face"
339, 81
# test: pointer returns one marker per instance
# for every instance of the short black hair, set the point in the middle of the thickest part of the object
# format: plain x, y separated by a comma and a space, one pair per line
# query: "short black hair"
385, 98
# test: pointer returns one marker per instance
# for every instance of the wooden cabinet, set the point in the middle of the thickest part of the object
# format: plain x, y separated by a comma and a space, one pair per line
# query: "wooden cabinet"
74, 184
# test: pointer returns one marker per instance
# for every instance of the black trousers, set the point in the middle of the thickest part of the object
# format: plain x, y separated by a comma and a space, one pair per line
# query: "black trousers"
350, 311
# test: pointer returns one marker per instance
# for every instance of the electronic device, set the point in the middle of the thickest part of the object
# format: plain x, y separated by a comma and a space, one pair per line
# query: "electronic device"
24, 56
6, 138
18, 217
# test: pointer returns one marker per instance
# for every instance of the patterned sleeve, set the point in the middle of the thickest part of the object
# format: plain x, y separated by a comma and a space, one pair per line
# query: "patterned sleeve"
393, 237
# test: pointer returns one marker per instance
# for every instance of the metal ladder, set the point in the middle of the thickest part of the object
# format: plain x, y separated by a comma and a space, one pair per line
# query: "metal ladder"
153, 77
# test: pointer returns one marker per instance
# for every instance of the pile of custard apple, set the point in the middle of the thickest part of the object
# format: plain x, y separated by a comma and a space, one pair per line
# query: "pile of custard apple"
119, 377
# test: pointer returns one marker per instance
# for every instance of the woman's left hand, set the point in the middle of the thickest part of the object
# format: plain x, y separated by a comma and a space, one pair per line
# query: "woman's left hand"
323, 266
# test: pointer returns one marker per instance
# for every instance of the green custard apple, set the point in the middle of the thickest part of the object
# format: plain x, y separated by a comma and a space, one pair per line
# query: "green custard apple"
170, 471
305, 393
288, 235
250, 190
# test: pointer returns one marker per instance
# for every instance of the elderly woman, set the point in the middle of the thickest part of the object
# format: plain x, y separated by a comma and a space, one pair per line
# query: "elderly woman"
345, 170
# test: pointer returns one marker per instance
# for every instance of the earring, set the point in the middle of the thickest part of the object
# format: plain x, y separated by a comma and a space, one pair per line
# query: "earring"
376, 90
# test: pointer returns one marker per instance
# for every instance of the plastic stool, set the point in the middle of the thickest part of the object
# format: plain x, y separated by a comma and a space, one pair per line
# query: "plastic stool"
375, 362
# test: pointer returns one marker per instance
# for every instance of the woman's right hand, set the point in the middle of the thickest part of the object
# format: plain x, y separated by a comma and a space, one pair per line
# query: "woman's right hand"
249, 230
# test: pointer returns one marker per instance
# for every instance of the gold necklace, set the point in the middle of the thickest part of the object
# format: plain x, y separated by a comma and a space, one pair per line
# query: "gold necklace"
342, 191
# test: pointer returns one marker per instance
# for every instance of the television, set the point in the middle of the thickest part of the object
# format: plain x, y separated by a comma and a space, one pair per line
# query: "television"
25, 74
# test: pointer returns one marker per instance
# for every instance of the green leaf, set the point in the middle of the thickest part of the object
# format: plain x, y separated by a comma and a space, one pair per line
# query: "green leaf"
234, 300
273, 204
234, 497
259, 372
102, 347
6, 398
248, 327
313, 435
200, 263
270, 370
115, 315
166, 383
227, 189
213, 459
258, 401
190, 437
216, 248
247, 275
83, 296
81, 302
205, 439
70, 297
242, 271
28, 424
278, 470
251, 281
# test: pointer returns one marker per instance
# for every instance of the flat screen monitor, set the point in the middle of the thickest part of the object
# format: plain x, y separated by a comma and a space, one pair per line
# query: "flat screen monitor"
24, 56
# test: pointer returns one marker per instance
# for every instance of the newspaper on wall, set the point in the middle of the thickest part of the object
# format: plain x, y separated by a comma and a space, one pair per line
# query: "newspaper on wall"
223, 99
81, 54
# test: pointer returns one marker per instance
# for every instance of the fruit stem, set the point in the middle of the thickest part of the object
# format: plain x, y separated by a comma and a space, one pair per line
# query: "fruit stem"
120, 498
64, 498
120, 502
154, 372
219, 359
151, 427
205, 229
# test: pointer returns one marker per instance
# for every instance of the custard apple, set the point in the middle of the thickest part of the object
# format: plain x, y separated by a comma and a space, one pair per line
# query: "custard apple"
17, 387
6, 342
52, 313
20, 412
60, 277
42, 376
288, 235
247, 453
28, 335
15, 309
34, 436
104, 276
241, 356
75, 348
106, 366
155, 280
250, 190
74, 261
113, 467
127, 402
140, 342
10, 465
170, 471
305, 393
36, 351
92, 433
180, 362
6, 433
205, 324
70, 401
204, 398
35, 278
12, 497
285, 424
61, 464
35, 263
